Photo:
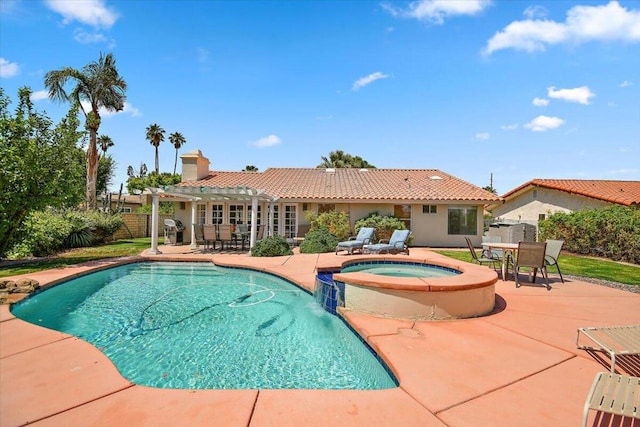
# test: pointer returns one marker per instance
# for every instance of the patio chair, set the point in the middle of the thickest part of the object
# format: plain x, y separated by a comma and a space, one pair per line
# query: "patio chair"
209, 236
395, 245
224, 235
552, 254
364, 237
492, 252
198, 235
531, 255
485, 258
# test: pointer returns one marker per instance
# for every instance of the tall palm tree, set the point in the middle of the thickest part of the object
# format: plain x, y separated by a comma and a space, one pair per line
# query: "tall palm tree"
98, 84
155, 135
178, 141
104, 141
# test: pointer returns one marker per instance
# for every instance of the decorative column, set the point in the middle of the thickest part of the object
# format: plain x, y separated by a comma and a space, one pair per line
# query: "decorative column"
155, 211
194, 204
254, 221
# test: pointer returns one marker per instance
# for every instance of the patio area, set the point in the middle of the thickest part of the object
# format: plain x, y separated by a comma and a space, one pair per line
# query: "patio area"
518, 366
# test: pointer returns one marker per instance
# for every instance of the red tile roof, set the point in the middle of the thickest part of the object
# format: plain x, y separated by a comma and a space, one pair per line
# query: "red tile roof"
625, 193
350, 184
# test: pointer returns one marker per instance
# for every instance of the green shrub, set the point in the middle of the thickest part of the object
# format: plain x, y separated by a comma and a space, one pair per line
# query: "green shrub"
47, 232
271, 246
384, 225
612, 232
336, 222
319, 240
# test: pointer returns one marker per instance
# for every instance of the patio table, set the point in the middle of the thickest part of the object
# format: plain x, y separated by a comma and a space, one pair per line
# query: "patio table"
508, 250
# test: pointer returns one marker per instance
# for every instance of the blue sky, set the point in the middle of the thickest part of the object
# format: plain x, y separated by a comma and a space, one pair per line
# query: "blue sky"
517, 89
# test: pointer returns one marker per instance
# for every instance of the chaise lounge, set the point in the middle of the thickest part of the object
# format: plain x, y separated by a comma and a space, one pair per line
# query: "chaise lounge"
364, 237
395, 245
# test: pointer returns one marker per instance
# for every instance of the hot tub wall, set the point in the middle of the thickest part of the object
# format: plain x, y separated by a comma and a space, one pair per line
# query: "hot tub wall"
420, 305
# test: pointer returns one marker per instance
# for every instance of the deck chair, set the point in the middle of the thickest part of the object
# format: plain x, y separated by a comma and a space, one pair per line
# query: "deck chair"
552, 254
614, 394
485, 258
364, 237
615, 340
531, 255
395, 245
209, 236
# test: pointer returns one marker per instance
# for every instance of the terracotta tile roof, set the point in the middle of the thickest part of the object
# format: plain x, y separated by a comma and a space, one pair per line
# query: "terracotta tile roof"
350, 184
625, 193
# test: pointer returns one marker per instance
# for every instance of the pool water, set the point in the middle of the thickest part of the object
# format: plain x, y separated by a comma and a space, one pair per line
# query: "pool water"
400, 269
198, 326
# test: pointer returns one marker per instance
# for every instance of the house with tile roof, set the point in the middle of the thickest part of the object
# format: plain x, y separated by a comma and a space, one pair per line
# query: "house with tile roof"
438, 208
538, 198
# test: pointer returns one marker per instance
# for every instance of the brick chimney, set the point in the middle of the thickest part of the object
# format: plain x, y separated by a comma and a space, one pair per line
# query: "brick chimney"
194, 166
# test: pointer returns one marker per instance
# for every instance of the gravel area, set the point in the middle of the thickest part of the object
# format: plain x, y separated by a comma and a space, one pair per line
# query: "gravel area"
608, 283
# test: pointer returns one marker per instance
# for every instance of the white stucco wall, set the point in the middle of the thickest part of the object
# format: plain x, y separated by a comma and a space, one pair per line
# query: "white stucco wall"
536, 201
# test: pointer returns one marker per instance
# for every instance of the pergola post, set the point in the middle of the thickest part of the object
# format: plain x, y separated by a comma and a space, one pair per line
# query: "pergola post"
155, 212
194, 245
254, 221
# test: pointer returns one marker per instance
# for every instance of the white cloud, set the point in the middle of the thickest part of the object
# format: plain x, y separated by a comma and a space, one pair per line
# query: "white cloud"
89, 12
540, 102
436, 11
533, 12
583, 24
625, 83
39, 95
580, 95
483, 136
512, 126
83, 37
8, 69
128, 109
366, 80
267, 141
543, 123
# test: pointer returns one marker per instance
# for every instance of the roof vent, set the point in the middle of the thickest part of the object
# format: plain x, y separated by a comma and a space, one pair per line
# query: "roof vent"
330, 170
436, 177
363, 170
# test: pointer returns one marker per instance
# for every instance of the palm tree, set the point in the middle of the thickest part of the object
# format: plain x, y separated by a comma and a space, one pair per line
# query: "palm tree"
99, 85
340, 159
105, 142
155, 135
178, 141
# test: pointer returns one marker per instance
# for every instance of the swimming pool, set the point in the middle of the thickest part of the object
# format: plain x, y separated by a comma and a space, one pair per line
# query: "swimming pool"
198, 326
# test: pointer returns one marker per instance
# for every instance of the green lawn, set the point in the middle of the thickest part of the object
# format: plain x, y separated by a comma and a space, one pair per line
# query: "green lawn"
76, 256
569, 264
581, 266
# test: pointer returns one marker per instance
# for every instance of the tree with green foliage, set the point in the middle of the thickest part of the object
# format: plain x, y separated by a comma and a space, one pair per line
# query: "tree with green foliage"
155, 135
41, 164
340, 159
336, 222
384, 225
178, 140
100, 85
152, 180
106, 171
250, 168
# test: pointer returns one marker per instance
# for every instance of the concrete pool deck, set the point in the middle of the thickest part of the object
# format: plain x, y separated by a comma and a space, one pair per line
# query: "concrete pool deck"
518, 366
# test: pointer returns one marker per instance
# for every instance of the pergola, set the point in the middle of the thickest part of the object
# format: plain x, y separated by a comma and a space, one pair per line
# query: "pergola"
193, 194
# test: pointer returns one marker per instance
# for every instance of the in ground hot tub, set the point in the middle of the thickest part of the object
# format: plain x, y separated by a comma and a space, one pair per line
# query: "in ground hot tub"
434, 288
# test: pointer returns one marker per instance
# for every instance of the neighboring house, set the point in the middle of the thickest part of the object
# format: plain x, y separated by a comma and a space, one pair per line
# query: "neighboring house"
538, 198
438, 208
